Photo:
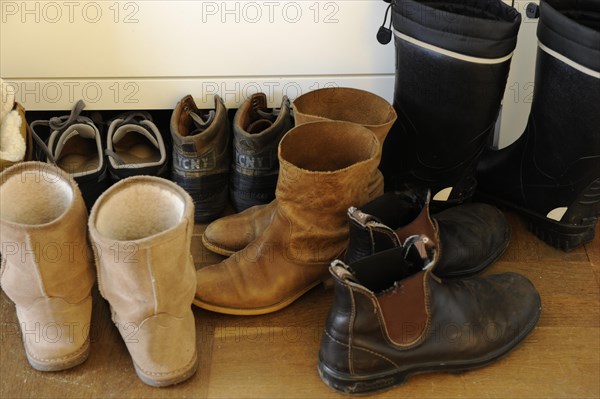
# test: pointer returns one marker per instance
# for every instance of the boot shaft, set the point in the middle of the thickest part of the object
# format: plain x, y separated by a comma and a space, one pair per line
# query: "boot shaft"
318, 182
565, 112
450, 60
346, 104
550, 174
141, 229
43, 235
202, 133
388, 221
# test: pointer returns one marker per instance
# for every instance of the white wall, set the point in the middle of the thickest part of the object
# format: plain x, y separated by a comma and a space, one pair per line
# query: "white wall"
148, 54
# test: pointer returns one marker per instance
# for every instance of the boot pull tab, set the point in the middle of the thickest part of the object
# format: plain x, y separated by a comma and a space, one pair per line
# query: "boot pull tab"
418, 250
360, 217
384, 35
342, 270
532, 11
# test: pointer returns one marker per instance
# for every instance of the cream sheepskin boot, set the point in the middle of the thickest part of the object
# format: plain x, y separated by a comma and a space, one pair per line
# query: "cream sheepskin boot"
142, 229
47, 266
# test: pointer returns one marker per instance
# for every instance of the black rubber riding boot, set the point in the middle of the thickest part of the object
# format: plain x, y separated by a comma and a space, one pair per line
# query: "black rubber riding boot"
463, 240
551, 174
257, 131
452, 64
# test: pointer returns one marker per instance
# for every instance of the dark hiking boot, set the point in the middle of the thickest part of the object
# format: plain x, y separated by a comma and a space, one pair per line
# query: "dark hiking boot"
201, 156
257, 131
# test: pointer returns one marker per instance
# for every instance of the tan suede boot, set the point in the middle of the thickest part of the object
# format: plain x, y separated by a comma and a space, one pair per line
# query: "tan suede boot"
142, 230
47, 266
232, 233
325, 167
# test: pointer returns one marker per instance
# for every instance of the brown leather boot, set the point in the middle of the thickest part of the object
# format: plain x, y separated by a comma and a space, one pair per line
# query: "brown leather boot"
47, 268
391, 319
324, 167
232, 233
142, 230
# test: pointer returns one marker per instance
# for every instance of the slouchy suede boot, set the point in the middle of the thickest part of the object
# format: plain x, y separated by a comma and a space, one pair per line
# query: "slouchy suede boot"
325, 167
463, 240
391, 319
47, 265
142, 230
551, 174
232, 233
452, 64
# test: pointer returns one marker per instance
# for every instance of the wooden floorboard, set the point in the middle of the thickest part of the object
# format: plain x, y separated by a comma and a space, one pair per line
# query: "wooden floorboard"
275, 356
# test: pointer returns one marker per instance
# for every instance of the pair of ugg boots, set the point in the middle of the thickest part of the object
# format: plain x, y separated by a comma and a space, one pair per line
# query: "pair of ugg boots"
140, 232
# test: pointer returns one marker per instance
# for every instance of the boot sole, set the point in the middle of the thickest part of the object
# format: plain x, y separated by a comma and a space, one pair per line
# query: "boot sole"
218, 250
188, 371
256, 311
565, 237
60, 364
369, 384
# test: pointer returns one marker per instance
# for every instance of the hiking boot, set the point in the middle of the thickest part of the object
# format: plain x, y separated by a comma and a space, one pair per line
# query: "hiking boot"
135, 146
201, 156
257, 132
75, 145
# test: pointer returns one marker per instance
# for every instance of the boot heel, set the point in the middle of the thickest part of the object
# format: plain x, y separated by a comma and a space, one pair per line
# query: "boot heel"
578, 225
356, 385
560, 235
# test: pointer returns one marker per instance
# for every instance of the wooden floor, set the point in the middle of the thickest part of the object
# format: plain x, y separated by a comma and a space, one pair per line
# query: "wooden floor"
275, 356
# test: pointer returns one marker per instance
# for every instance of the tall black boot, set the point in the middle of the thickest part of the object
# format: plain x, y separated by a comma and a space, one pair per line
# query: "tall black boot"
452, 64
551, 174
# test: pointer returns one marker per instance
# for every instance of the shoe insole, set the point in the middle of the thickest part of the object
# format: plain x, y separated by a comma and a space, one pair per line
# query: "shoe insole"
134, 148
79, 155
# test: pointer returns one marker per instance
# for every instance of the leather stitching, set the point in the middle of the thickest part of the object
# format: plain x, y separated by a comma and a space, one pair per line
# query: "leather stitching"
350, 329
363, 349
385, 333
